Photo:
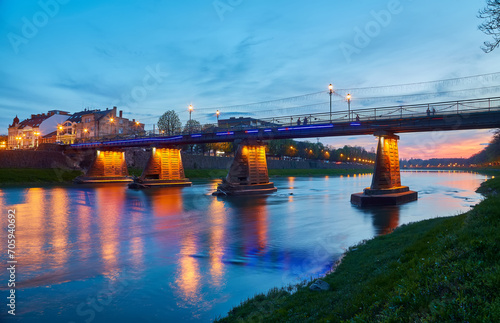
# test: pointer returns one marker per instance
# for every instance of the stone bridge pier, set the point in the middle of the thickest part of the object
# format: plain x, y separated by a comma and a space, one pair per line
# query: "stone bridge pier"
386, 188
164, 168
248, 173
108, 166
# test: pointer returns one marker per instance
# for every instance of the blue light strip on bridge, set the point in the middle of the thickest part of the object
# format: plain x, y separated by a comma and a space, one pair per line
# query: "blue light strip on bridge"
305, 128
196, 136
227, 133
145, 140
148, 139
355, 124
268, 130
252, 131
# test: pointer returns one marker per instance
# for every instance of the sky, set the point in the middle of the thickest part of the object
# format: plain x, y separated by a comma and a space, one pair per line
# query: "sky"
147, 57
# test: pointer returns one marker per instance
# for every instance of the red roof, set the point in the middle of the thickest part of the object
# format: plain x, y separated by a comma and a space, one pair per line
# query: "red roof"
34, 122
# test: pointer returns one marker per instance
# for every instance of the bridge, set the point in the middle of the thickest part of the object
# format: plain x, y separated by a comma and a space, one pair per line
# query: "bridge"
248, 173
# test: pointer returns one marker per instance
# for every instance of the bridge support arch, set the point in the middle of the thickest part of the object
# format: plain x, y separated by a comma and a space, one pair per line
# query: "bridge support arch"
109, 166
248, 173
164, 168
386, 188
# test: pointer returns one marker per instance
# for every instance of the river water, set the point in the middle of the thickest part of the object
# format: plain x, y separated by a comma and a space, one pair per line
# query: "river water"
110, 254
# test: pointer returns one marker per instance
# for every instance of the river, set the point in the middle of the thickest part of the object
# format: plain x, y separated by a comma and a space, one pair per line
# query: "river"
109, 254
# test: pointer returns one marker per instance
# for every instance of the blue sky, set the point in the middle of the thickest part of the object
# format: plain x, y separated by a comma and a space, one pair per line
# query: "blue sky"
147, 57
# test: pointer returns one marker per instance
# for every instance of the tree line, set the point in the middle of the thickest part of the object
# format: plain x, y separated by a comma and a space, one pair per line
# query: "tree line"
169, 124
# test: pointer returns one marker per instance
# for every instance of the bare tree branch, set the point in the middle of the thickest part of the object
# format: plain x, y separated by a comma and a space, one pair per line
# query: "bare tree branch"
491, 13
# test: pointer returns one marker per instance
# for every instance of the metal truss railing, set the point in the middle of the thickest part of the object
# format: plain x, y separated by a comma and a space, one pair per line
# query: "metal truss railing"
460, 107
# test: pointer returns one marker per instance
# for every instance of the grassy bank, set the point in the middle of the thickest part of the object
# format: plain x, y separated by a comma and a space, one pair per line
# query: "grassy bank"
34, 175
444, 269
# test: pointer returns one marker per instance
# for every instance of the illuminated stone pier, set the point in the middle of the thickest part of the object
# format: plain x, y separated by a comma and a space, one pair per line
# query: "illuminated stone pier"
109, 166
164, 168
386, 188
248, 173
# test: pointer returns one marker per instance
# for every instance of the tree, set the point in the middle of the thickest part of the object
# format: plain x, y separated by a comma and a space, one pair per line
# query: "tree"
490, 153
492, 24
192, 126
169, 123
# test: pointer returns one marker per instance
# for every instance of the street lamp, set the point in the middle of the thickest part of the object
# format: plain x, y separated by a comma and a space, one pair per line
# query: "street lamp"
190, 110
348, 97
217, 113
330, 87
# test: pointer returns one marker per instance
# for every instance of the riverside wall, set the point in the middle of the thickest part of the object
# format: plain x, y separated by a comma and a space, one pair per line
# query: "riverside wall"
138, 157
35, 159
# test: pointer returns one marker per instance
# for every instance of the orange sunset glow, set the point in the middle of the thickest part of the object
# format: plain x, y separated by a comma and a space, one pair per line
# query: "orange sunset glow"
426, 145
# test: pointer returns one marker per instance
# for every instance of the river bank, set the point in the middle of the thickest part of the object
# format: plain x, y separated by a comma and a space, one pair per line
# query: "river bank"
20, 176
443, 269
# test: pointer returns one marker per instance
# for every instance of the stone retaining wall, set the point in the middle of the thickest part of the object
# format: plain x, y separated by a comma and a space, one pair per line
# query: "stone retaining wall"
34, 159
138, 157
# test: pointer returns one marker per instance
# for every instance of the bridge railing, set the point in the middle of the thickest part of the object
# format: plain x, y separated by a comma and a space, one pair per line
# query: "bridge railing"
461, 107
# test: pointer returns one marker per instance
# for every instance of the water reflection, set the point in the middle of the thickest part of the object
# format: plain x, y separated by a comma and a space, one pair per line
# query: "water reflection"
58, 224
218, 222
31, 217
251, 223
385, 218
84, 213
188, 273
110, 204
165, 202
189, 256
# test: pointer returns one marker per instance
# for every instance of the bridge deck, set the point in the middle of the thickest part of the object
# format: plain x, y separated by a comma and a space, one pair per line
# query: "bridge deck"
441, 116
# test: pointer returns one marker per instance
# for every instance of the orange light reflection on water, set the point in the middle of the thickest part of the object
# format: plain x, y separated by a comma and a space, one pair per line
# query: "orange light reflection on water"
84, 213
30, 240
217, 243
59, 226
110, 201
188, 275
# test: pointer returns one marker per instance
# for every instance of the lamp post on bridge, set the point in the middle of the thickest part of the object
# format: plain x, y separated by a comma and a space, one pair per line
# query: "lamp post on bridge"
330, 87
217, 113
190, 110
348, 97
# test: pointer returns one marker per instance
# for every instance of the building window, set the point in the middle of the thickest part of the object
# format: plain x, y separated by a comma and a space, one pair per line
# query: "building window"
120, 130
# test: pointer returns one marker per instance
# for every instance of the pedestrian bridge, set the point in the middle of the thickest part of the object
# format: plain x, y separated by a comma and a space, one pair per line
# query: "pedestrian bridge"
248, 174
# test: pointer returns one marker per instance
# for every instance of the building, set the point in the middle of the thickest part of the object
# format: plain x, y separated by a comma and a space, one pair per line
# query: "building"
61, 127
29, 133
89, 124
3, 142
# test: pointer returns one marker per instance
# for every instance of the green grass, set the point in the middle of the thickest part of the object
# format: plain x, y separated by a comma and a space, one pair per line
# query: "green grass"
205, 173
490, 188
33, 175
317, 172
132, 171
220, 173
443, 269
